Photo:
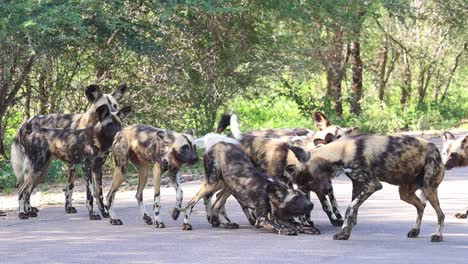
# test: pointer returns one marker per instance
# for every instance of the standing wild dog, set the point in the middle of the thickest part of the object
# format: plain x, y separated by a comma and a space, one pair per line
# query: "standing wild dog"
408, 162
73, 121
227, 167
73, 146
455, 154
147, 146
269, 155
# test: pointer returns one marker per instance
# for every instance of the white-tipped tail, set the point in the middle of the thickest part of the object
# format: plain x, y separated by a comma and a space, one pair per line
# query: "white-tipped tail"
236, 133
19, 161
209, 140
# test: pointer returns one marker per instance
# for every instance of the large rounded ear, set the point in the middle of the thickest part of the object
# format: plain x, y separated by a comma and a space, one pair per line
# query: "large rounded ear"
190, 132
464, 142
329, 138
300, 153
321, 121
164, 136
124, 112
351, 131
224, 122
120, 92
93, 92
102, 112
446, 136
275, 192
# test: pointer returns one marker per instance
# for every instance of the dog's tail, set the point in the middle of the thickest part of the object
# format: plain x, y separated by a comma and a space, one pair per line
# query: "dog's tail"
19, 161
224, 122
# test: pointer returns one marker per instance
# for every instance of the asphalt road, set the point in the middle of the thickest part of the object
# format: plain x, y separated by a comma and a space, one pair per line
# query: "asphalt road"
379, 237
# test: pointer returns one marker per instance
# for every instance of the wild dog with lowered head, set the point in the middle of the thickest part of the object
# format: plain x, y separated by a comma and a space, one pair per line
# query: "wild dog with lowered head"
147, 146
73, 121
408, 162
269, 155
227, 167
455, 154
73, 146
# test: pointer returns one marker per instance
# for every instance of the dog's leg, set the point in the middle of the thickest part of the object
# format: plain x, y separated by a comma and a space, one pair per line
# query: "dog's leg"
407, 194
207, 203
142, 179
174, 176
88, 165
336, 212
249, 214
157, 195
205, 189
432, 197
71, 173
97, 178
120, 169
327, 208
369, 187
219, 208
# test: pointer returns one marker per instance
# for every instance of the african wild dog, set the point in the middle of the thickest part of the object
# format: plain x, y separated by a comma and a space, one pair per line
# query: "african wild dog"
147, 146
73, 121
227, 167
268, 155
455, 154
73, 146
411, 163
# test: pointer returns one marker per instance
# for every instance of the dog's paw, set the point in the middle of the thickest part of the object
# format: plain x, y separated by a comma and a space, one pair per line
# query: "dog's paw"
215, 222
311, 231
436, 238
147, 219
252, 221
158, 224
461, 216
175, 214
34, 209
287, 232
186, 226
337, 222
23, 216
413, 233
32, 214
70, 210
105, 214
93, 216
231, 226
343, 235
116, 222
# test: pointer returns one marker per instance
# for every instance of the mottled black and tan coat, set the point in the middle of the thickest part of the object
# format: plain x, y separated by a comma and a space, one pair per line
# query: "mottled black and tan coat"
73, 121
73, 146
227, 167
455, 154
146, 147
408, 162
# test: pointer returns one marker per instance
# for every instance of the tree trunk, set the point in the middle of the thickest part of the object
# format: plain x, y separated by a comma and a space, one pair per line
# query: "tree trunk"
356, 85
406, 87
452, 72
383, 69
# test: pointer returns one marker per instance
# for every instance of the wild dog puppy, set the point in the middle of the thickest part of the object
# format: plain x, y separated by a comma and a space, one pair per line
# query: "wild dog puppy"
455, 154
146, 146
73, 121
73, 146
411, 163
227, 167
270, 156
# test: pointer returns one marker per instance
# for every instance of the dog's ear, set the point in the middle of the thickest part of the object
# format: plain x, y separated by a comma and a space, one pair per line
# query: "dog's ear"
300, 153
120, 92
446, 136
224, 122
102, 112
321, 121
93, 92
319, 142
329, 138
464, 142
351, 131
124, 112
276, 192
164, 136
190, 132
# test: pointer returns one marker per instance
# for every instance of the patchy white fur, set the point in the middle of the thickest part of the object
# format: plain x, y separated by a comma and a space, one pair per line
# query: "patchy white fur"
236, 133
209, 140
